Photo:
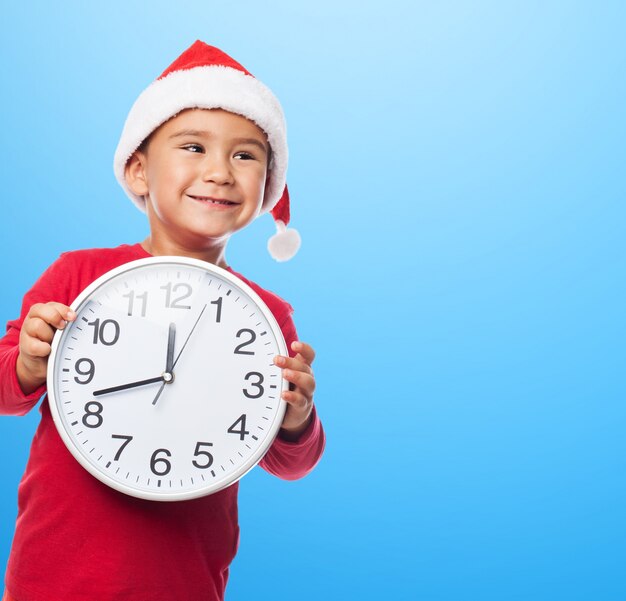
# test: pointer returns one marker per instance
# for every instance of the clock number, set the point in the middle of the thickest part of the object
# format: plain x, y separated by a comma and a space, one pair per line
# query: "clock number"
173, 303
242, 431
99, 331
154, 460
198, 452
131, 302
127, 439
90, 372
255, 384
218, 302
90, 413
238, 350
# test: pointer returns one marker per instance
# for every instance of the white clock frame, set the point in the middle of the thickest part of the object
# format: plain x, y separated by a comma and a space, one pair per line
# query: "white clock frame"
67, 428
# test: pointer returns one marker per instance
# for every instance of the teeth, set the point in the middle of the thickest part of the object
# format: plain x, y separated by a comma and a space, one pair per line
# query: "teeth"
215, 202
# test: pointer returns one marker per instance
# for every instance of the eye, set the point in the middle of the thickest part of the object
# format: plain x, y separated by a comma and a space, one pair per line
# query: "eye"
244, 156
193, 148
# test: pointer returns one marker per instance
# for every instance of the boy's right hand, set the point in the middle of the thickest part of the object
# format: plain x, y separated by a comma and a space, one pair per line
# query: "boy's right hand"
38, 329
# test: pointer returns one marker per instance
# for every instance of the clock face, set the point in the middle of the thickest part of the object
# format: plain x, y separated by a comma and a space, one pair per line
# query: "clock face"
164, 387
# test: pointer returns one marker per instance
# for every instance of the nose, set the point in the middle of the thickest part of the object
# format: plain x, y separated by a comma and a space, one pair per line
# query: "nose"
217, 169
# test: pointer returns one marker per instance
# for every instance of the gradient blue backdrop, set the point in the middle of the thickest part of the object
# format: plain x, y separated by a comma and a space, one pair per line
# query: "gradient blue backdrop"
457, 174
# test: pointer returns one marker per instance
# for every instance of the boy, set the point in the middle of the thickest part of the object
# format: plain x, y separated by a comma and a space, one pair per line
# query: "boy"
203, 153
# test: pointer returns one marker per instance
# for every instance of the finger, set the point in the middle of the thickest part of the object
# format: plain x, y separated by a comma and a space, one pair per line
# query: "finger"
305, 351
33, 347
297, 400
39, 329
292, 363
304, 382
55, 314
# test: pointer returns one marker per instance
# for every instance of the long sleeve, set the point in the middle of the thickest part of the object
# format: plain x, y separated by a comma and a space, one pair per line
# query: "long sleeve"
51, 286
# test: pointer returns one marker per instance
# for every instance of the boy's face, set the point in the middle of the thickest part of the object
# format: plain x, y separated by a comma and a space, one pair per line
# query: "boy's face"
203, 175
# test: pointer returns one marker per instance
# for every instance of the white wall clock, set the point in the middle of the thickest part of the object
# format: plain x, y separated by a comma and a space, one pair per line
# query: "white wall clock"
164, 387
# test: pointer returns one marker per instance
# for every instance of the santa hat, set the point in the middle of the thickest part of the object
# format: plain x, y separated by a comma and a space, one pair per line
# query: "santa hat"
205, 77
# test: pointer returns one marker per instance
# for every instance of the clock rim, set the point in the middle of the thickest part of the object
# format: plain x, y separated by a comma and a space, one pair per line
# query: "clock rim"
68, 440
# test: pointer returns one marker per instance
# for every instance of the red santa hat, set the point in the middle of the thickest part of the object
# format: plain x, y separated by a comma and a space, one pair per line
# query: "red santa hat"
205, 77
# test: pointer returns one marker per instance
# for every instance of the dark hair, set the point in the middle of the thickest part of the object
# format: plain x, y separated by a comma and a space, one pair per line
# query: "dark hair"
143, 147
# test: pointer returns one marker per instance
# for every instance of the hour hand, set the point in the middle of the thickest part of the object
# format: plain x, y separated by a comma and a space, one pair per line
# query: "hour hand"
171, 337
168, 375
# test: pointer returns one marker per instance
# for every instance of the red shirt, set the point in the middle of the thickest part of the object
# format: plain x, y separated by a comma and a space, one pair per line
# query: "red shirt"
78, 539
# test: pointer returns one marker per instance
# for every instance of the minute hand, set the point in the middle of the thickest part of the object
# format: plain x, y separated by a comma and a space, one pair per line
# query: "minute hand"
126, 386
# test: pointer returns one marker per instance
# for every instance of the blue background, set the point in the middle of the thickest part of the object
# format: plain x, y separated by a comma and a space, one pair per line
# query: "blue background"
457, 175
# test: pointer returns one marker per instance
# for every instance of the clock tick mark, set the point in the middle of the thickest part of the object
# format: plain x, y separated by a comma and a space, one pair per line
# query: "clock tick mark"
272, 385
212, 473
159, 484
263, 333
228, 293
238, 453
85, 319
255, 438
108, 464
73, 423
66, 369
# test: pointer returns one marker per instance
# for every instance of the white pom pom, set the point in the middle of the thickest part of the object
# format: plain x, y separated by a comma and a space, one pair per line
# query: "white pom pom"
284, 244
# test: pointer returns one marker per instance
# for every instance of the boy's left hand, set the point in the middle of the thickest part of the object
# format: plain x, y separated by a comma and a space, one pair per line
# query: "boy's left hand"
299, 398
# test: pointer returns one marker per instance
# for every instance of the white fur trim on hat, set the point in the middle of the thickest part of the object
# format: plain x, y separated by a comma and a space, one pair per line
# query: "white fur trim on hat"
207, 87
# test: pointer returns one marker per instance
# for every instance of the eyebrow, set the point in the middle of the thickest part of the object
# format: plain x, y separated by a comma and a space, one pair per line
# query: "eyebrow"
200, 132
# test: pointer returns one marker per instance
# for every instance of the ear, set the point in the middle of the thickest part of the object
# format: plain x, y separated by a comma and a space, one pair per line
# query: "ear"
135, 173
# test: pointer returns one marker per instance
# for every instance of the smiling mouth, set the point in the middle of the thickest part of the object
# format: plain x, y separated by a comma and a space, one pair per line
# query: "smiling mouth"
215, 201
